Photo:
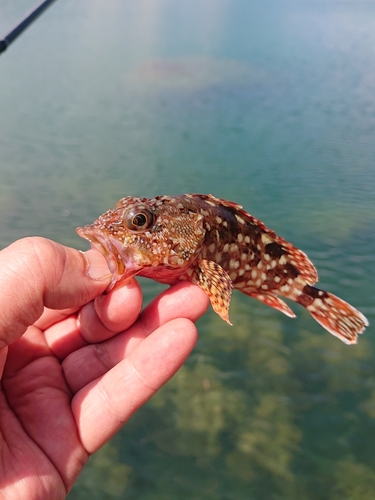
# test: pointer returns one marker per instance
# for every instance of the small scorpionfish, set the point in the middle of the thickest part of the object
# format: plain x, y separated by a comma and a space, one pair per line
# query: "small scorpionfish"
218, 246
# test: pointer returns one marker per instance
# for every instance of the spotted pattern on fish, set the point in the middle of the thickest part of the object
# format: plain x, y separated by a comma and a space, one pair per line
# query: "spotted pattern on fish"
217, 245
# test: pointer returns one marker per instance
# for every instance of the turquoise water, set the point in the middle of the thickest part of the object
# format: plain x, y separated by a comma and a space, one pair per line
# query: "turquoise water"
272, 105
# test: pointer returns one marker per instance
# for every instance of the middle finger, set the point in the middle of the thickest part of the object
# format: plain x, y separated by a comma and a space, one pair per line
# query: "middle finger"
183, 300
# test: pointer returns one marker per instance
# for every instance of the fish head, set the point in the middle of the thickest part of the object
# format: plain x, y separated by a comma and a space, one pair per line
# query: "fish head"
150, 237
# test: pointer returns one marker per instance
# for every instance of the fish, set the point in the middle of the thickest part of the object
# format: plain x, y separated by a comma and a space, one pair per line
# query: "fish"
215, 244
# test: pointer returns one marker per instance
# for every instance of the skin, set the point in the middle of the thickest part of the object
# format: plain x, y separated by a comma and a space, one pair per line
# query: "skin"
77, 364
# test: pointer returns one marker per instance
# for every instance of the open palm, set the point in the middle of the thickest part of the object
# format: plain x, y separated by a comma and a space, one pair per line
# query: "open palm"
83, 367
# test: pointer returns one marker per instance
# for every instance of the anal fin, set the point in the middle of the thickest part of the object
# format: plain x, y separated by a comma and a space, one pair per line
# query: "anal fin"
273, 301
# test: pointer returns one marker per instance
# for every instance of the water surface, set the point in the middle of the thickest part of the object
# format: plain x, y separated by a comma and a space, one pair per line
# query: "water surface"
270, 104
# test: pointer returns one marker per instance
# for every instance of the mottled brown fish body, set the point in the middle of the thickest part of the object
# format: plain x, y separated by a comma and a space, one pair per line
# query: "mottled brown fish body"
217, 245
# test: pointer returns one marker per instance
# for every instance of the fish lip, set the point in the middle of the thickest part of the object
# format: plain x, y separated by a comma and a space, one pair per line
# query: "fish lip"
99, 242
119, 262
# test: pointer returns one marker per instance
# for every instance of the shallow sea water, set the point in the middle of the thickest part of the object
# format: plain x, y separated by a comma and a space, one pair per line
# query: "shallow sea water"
269, 104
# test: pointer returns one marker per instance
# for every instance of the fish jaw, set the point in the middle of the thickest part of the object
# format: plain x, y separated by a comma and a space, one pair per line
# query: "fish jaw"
121, 261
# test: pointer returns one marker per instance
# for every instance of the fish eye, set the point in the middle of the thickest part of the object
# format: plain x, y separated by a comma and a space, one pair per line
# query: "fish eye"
138, 219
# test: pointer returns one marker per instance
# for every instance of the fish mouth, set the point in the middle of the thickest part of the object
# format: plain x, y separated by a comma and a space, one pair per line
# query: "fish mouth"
119, 258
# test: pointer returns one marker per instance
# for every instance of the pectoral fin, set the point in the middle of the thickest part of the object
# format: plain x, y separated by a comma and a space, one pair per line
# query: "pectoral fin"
217, 284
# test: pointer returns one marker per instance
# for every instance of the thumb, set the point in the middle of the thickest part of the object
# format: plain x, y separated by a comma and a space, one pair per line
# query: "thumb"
37, 273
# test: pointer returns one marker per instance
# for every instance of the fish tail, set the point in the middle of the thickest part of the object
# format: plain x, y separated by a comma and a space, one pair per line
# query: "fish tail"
334, 314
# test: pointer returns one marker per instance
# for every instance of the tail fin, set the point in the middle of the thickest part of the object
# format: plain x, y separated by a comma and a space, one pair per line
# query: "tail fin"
334, 314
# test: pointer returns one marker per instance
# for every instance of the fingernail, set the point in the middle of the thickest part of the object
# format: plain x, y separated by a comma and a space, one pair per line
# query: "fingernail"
96, 265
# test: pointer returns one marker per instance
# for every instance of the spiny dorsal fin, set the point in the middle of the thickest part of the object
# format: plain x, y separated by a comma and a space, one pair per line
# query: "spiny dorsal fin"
296, 257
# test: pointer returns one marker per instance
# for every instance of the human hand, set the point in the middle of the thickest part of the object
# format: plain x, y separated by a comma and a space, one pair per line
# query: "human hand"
79, 363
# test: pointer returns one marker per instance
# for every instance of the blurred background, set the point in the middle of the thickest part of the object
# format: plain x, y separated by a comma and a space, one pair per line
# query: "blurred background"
267, 103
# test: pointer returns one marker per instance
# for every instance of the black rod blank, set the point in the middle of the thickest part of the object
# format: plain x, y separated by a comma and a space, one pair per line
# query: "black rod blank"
15, 32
